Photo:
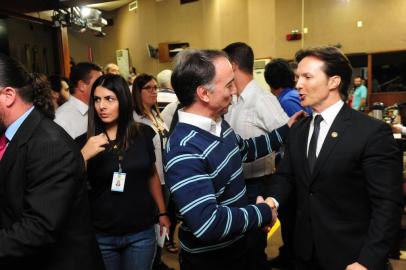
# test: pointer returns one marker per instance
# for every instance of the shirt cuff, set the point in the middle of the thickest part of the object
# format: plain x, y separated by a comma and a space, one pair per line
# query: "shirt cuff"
276, 203
403, 130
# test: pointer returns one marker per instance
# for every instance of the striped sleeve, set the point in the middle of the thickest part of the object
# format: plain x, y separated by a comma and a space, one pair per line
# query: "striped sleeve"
193, 192
260, 146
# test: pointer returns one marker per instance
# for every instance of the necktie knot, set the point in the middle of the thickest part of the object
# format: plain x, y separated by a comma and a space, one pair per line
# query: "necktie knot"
317, 120
3, 141
3, 145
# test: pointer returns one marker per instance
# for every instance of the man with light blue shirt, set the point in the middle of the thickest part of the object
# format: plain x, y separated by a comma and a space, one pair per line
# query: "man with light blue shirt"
203, 166
44, 213
281, 79
359, 96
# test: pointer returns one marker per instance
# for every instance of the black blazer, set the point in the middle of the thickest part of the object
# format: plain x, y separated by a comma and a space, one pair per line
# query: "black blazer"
349, 209
44, 209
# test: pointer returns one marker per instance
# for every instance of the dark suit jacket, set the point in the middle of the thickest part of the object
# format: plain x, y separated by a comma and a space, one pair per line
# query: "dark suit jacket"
44, 209
349, 209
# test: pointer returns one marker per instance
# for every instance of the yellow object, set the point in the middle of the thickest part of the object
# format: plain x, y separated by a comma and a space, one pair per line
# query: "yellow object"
402, 254
274, 228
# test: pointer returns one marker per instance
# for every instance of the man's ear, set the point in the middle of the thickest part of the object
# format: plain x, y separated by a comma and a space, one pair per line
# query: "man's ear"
334, 82
234, 66
202, 94
81, 86
11, 96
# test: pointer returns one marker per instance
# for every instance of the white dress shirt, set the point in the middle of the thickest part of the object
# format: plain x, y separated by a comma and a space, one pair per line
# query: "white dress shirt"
254, 113
199, 121
169, 112
328, 115
72, 117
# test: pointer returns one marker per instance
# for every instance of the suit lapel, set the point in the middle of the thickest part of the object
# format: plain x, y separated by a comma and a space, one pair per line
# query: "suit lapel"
22, 135
334, 134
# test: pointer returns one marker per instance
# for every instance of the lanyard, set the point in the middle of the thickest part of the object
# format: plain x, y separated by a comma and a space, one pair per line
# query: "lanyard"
119, 153
162, 132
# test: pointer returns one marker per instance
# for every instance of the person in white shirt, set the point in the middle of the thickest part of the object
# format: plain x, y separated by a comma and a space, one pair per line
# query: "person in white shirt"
253, 112
170, 114
72, 115
166, 94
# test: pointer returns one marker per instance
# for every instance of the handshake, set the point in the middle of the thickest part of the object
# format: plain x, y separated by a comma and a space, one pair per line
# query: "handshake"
271, 203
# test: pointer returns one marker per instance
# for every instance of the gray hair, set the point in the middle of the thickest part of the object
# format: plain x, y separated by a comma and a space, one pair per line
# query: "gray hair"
164, 78
194, 68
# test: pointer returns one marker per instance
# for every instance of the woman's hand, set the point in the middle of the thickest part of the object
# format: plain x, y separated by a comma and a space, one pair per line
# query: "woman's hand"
94, 145
164, 222
297, 116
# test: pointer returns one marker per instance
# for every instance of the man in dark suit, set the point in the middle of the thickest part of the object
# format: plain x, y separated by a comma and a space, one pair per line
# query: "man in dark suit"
44, 211
344, 168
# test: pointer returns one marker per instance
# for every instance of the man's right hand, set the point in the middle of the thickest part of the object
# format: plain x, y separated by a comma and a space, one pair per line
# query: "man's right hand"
94, 145
271, 203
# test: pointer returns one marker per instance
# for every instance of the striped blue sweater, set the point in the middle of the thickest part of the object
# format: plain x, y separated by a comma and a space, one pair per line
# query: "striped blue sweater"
204, 174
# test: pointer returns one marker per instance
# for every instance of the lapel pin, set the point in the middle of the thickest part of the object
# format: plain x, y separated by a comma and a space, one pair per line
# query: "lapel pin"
334, 134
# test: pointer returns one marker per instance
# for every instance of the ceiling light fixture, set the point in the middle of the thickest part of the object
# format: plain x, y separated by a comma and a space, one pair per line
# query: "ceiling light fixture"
80, 19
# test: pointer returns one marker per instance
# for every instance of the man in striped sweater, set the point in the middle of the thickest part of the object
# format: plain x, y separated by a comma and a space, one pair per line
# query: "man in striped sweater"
203, 166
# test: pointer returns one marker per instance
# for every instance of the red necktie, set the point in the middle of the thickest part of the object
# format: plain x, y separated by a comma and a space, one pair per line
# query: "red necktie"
3, 145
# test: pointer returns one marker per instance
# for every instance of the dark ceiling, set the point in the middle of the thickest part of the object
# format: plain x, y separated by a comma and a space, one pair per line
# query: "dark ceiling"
26, 6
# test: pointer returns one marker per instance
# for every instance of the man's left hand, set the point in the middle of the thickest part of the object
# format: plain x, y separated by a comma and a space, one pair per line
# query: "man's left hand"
355, 266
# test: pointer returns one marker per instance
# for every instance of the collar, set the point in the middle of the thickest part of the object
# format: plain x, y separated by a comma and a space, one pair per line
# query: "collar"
166, 90
199, 121
79, 105
12, 129
331, 112
248, 91
284, 92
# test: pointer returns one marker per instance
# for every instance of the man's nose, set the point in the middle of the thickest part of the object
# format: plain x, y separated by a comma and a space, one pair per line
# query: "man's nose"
299, 83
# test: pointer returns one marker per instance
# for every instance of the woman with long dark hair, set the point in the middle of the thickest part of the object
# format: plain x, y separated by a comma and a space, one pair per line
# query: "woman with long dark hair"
125, 189
145, 92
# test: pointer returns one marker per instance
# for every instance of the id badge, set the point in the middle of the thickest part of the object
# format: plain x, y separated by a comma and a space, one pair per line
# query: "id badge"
118, 182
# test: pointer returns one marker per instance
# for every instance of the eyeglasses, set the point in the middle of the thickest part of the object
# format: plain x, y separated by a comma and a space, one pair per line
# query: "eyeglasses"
150, 88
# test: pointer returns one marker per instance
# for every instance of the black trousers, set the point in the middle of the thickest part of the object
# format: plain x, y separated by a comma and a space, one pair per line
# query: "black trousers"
312, 264
257, 238
287, 217
233, 257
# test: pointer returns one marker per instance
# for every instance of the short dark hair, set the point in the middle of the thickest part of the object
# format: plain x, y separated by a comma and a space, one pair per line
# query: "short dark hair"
193, 68
81, 72
335, 64
279, 74
32, 88
242, 55
139, 82
56, 83
127, 128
